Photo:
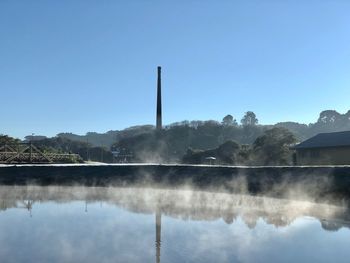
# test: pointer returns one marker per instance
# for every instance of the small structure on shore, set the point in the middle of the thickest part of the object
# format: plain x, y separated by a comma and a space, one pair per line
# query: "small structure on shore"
210, 159
324, 149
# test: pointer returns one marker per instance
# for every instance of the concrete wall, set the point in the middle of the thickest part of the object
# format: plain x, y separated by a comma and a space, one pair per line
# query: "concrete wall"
276, 181
324, 156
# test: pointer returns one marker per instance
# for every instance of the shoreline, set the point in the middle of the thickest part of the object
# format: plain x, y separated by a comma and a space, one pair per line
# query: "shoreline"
318, 181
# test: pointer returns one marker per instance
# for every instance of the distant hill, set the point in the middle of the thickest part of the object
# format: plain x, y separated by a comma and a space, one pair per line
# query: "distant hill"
211, 131
170, 144
109, 138
328, 121
144, 142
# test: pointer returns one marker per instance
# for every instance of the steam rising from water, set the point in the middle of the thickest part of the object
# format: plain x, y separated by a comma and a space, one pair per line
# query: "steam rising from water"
186, 204
118, 224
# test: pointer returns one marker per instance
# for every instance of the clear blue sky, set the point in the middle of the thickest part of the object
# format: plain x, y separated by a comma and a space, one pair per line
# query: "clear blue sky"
80, 66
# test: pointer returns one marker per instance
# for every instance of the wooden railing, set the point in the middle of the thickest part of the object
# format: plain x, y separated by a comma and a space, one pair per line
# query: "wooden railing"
29, 153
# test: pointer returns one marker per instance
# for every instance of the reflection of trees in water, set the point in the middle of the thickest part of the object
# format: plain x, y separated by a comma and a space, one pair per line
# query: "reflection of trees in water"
7, 203
27, 204
332, 225
184, 204
13, 203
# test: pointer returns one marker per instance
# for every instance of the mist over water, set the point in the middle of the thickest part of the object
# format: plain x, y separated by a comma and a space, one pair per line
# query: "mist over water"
97, 224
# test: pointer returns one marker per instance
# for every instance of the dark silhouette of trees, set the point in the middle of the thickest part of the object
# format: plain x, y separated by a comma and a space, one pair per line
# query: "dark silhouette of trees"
108, 138
329, 121
228, 120
301, 131
145, 144
5, 139
226, 153
147, 147
272, 148
31, 138
203, 135
85, 150
249, 119
329, 117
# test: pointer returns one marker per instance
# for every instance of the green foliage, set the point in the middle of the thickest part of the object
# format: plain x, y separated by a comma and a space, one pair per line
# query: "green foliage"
193, 156
228, 120
108, 138
5, 139
30, 138
301, 131
249, 119
85, 150
147, 147
226, 153
210, 134
329, 117
145, 144
272, 148
175, 139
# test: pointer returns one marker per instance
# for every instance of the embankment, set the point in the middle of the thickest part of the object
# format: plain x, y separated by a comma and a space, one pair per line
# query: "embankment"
320, 181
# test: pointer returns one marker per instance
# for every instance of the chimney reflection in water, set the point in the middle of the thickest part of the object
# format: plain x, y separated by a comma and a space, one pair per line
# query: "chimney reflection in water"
158, 234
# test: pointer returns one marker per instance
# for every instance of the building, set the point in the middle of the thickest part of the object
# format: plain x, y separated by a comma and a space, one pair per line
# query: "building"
324, 149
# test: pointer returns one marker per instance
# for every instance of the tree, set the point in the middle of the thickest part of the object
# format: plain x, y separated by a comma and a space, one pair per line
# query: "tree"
272, 148
300, 130
30, 138
249, 119
227, 152
347, 116
329, 117
194, 156
5, 139
330, 121
228, 120
84, 149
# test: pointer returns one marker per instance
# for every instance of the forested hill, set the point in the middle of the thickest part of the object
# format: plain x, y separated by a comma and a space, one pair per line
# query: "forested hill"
247, 142
212, 133
108, 138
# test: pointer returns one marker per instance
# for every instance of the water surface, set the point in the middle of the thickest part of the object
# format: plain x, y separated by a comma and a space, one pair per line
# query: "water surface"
78, 224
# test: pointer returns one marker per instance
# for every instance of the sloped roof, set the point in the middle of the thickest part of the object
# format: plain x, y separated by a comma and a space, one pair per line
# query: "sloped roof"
322, 140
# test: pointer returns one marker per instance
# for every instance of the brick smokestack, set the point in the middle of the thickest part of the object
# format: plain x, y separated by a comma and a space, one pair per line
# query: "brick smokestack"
159, 99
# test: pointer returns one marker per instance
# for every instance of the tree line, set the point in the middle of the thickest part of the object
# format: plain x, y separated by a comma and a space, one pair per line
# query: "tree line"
328, 121
250, 142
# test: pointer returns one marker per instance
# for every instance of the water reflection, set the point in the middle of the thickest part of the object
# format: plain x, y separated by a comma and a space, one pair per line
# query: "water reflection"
183, 204
195, 219
158, 234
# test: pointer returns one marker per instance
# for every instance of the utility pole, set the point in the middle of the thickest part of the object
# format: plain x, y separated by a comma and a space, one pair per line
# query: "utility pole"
101, 152
31, 149
87, 149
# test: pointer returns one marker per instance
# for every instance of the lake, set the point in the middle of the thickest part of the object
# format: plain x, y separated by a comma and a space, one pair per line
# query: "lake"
110, 224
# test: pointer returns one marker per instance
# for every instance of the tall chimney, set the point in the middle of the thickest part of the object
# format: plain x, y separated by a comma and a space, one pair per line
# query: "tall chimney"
159, 100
